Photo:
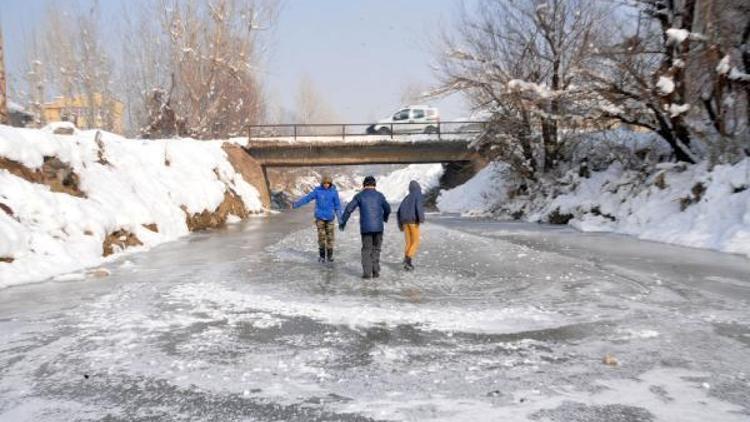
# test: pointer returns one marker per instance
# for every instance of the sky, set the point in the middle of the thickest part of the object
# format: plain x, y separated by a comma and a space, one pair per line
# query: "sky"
360, 54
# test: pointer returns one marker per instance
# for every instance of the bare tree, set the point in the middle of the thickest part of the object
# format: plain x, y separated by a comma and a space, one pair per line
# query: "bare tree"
145, 74
310, 106
522, 61
679, 70
35, 76
413, 92
213, 51
68, 58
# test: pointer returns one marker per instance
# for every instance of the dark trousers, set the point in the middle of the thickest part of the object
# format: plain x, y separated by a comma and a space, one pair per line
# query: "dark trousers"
371, 244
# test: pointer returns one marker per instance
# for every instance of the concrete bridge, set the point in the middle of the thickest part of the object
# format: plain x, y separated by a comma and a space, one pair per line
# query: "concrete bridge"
316, 152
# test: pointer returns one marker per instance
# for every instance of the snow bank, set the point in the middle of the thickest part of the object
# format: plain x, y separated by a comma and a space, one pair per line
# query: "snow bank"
395, 186
690, 206
128, 185
479, 194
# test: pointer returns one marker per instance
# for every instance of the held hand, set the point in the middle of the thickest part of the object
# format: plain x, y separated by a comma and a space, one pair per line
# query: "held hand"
401, 227
342, 226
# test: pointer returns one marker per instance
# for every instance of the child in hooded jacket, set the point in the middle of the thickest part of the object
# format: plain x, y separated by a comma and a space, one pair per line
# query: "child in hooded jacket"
410, 215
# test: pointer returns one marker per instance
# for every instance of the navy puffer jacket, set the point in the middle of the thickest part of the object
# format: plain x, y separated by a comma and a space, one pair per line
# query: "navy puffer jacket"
373, 211
411, 209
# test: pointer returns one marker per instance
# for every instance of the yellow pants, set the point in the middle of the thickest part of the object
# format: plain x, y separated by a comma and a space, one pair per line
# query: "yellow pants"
411, 231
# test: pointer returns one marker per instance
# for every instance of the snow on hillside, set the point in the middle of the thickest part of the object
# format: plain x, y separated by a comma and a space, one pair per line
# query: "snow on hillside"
478, 195
395, 185
684, 205
134, 191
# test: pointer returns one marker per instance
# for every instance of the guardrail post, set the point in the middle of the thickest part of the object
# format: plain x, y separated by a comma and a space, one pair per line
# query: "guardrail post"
343, 132
295, 132
391, 130
440, 131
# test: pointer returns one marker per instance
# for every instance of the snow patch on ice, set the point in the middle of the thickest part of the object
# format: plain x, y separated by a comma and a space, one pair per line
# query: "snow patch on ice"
357, 314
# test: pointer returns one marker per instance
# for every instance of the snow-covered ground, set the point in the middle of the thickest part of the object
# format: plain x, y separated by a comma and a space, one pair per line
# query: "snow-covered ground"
684, 205
128, 184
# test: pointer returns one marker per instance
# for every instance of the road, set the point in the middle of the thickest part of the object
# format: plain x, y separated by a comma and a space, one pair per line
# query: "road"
501, 321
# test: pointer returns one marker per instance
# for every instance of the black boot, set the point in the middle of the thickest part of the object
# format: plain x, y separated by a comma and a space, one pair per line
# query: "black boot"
329, 253
408, 266
322, 253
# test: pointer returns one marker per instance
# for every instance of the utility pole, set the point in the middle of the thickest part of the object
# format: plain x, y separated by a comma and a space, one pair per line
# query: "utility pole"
3, 93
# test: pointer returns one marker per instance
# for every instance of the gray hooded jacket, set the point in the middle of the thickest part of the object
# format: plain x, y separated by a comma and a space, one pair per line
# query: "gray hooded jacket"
411, 209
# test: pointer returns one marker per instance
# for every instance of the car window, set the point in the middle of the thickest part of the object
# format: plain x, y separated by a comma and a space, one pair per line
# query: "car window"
417, 113
401, 115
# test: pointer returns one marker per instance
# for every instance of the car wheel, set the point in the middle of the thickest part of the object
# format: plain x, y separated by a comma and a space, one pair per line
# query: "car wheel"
371, 130
430, 130
384, 131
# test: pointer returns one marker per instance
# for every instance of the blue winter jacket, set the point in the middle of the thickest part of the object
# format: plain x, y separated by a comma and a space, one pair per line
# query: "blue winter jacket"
373, 211
411, 209
327, 203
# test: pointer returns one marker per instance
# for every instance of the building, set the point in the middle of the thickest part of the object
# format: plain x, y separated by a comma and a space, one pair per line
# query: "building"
108, 112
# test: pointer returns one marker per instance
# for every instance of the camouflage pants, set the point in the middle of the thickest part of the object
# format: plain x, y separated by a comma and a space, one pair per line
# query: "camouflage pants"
325, 233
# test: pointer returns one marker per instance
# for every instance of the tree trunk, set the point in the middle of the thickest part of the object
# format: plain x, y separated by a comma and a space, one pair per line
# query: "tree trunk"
669, 134
525, 140
549, 137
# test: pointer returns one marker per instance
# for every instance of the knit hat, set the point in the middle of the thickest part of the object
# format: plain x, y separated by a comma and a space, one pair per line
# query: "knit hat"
369, 181
326, 179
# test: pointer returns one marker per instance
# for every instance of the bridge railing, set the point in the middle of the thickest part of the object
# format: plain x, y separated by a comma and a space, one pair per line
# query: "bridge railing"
347, 130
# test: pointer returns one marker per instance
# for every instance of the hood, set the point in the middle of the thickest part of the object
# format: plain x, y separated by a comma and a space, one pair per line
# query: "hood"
414, 187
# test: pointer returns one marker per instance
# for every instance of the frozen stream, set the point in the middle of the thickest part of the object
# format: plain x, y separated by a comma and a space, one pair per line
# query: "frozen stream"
501, 321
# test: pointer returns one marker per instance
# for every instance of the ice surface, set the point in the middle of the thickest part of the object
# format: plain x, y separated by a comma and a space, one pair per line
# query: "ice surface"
500, 321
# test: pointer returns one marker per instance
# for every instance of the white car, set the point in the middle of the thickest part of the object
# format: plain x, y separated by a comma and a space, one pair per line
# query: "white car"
410, 119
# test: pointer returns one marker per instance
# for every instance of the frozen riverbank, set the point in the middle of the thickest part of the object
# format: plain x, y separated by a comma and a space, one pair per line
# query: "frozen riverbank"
70, 202
678, 204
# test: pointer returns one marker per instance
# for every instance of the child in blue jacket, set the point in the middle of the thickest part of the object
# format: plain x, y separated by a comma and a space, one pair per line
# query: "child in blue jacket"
327, 209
